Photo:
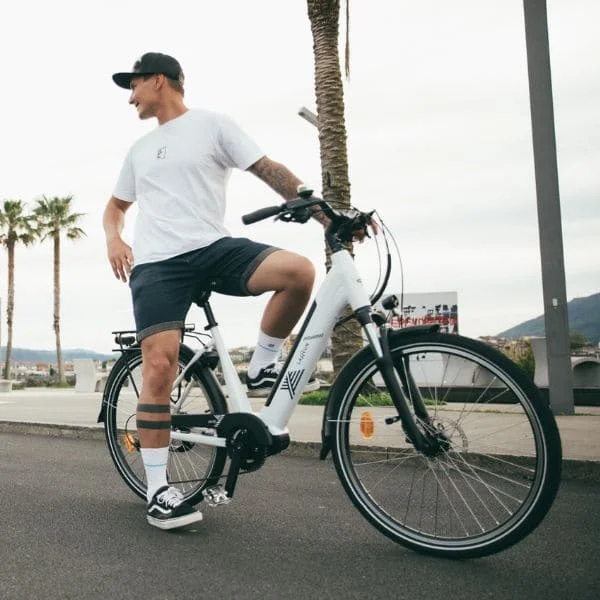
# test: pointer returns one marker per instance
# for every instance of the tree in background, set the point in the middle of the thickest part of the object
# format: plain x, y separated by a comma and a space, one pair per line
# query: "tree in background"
578, 340
53, 217
521, 353
329, 91
15, 228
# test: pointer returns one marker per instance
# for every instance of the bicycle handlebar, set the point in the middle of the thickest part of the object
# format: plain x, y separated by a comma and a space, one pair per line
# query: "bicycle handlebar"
262, 213
292, 210
343, 223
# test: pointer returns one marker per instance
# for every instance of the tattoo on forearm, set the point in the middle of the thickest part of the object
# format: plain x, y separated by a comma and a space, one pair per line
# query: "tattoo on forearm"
284, 182
277, 176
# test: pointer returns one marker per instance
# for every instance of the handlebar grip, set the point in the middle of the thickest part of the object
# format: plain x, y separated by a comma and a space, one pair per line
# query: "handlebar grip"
260, 214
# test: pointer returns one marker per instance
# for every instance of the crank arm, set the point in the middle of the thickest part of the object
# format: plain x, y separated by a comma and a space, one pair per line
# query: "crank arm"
232, 475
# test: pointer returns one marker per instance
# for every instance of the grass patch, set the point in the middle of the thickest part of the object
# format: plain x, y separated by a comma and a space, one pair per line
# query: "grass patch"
316, 398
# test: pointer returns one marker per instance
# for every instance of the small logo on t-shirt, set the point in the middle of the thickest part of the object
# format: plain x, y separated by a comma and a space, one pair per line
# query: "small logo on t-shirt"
162, 152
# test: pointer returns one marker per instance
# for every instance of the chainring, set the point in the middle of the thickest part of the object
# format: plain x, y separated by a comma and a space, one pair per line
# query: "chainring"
252, 454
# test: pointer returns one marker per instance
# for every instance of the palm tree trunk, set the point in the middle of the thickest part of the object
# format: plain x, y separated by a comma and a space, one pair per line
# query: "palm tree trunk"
59, 358
10, 308
329, 91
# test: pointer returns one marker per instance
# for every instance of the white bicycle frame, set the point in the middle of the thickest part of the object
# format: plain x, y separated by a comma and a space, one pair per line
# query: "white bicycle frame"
342, 286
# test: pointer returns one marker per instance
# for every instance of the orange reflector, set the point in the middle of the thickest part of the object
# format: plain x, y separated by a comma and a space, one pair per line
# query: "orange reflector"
367, 425
129, 442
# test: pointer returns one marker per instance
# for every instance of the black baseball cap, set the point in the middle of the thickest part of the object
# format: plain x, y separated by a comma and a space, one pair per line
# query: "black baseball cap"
151, 63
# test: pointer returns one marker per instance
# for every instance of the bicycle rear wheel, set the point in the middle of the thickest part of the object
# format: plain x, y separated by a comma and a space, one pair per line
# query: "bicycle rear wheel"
191, 467
498, 467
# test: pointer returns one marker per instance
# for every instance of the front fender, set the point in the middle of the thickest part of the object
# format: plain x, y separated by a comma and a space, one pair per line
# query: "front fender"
337, 392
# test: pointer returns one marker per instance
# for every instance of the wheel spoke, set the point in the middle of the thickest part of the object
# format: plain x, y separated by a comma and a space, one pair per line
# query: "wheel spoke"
447, 495
477, 479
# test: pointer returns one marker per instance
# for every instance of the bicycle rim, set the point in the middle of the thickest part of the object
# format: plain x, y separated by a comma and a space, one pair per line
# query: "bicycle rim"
496, 474
191, 467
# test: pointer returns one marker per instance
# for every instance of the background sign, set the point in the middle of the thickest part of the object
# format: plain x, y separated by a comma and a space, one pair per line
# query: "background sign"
428, 308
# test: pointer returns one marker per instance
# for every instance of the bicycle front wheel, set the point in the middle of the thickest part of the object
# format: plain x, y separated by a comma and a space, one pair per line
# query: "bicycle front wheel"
191, 467
496, 471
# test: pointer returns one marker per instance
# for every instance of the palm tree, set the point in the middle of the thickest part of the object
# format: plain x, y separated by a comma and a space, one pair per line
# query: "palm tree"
54, 216
329, 91
15, 227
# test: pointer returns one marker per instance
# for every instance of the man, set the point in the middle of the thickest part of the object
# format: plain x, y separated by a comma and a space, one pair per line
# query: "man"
177, 174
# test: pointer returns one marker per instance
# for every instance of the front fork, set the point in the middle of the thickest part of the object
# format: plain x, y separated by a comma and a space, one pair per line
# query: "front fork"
403, 390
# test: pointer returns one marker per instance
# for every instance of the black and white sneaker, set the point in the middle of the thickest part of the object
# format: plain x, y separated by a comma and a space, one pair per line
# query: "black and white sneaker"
261, 384
168, 510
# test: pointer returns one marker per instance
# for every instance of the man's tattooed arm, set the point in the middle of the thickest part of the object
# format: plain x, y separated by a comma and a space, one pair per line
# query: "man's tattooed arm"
283, 181
277, 176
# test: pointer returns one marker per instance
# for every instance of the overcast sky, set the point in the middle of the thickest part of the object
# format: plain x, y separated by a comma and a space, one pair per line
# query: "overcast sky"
439, 141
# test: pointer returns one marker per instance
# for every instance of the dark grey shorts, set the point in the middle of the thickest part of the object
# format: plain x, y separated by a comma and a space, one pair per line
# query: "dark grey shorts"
163, 291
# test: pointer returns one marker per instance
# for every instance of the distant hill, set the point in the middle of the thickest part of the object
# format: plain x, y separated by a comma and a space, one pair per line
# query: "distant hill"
48, 356
584, 318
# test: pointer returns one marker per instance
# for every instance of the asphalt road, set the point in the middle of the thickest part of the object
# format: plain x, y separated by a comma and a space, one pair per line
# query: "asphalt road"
72, 529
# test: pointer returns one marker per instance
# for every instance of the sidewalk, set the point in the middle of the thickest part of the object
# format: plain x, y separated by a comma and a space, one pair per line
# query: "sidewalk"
67, 413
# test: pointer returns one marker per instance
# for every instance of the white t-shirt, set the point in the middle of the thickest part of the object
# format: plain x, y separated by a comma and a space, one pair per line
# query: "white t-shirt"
177, 174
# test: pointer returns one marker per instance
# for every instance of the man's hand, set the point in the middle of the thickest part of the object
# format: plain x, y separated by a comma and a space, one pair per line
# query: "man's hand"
120, 257
119, 253
361, 234
319, 215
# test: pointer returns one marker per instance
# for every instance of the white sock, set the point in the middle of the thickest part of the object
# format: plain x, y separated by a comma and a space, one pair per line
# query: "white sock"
265, 353
155, 463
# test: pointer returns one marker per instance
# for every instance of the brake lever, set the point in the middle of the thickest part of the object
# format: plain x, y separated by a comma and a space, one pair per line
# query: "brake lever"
295, 216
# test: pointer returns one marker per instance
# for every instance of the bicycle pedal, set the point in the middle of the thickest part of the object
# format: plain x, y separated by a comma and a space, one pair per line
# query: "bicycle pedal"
216, 495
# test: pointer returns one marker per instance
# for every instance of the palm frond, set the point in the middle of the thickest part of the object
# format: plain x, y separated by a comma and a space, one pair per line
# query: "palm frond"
15, 225
53, 216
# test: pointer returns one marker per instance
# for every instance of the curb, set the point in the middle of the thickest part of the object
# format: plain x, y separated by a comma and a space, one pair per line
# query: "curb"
573, 469
53, 430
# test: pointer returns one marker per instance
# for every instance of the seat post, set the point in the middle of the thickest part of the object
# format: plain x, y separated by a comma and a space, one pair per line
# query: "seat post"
201, 299
210, 317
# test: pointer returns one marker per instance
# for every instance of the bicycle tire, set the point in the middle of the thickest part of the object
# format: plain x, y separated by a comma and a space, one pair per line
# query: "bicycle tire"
191, 467
492, 483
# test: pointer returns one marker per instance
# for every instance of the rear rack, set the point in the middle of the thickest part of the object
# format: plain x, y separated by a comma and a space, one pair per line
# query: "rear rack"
127, 338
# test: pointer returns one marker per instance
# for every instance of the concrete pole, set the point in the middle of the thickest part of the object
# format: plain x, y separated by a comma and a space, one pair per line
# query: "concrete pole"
560, 375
